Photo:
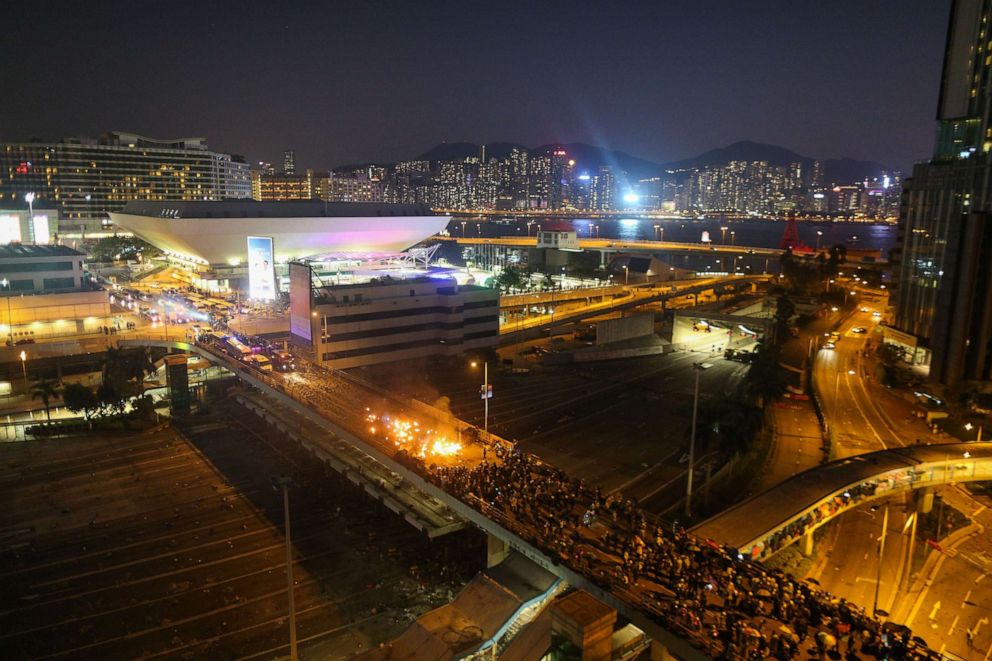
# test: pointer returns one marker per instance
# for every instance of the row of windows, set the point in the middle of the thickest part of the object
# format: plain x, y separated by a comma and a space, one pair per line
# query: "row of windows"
34, 267
391, 314
399, 346
412, 328
488, 303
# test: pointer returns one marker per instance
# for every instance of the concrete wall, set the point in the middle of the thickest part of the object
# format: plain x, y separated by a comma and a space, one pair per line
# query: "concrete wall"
625, 328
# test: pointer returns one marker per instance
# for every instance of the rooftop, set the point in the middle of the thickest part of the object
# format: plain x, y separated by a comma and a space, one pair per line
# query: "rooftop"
253, 209
14, 250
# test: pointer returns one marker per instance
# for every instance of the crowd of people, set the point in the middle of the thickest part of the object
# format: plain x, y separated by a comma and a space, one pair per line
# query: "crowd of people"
711, 595
722, 602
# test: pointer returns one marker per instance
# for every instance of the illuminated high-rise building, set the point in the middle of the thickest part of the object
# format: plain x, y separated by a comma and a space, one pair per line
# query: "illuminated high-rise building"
945, 286
289, 161
87, 178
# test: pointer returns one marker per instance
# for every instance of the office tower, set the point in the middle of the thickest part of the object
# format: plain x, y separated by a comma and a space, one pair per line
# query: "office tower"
289, 161
86, 178
945, 286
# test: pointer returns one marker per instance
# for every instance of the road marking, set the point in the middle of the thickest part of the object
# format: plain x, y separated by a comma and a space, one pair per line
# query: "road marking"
980, 578
866, 580
953, 624
933, 611
978, 511
978, 625
967, 596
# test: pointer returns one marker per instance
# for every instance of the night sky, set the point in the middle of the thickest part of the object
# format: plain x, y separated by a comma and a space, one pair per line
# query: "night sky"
381, 81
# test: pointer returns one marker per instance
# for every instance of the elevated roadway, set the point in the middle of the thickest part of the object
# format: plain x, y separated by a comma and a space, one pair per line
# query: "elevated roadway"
618, 245
533, 327
769, 521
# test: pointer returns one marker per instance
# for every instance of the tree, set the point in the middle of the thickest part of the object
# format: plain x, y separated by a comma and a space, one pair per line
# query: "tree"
45, 390
80, 399
889, 354
785, 309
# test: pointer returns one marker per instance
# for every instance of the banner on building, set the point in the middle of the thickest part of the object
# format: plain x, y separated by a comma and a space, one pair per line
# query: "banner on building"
261, 268
300, 299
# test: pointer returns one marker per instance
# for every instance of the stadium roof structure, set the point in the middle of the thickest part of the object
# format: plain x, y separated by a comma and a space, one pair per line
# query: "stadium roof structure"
217, 232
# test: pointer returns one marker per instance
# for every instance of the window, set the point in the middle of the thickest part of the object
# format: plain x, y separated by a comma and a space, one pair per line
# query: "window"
59, 283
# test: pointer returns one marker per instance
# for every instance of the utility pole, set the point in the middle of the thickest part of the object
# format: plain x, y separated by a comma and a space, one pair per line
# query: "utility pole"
285, 483
881, 554
698, 367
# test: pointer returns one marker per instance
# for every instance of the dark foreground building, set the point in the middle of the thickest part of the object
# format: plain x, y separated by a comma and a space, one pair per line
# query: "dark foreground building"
945, 263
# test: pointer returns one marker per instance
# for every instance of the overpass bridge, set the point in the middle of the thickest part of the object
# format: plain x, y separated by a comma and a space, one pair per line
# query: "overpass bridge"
607, 246
768, 522
484, 517
534, 327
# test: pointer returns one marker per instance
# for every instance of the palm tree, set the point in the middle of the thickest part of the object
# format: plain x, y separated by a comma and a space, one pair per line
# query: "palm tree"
46, 390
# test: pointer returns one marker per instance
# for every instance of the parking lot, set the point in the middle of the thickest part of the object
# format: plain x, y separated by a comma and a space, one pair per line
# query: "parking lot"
155, 545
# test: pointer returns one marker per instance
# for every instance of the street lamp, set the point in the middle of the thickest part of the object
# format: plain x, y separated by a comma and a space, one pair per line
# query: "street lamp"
733, 238
10, 322
819, 234
597, 230
29, 198
485, 394
285, 482
723, 234
626, 274
24, 369
464, 223
699, 368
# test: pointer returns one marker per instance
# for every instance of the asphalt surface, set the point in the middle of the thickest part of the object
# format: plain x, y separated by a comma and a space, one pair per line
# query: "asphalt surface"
151, 545
864, 417
619, 425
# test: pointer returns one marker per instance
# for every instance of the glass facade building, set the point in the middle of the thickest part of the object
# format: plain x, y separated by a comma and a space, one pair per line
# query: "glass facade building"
88, 178
945, 253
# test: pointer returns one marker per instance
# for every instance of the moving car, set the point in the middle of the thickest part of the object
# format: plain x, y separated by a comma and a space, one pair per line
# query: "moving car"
859, 329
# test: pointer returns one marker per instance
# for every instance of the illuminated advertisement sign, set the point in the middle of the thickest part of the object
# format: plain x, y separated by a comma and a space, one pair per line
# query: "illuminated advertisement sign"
261, 268
299, 300
10, 229
39, 225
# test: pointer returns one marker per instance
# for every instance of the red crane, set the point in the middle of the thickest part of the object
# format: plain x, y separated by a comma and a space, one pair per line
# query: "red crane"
790, 237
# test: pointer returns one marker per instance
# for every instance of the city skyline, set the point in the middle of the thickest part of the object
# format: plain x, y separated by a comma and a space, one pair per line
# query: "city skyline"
384, 84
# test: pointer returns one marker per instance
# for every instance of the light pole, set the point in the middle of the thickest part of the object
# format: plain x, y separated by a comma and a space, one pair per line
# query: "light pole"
29, 198
819, 235
24, 369
597, 230
464, 223
656, 233
626, 274
733, 238
285, 482
10, 322
699, 367
723, 234
485, 394
881, 552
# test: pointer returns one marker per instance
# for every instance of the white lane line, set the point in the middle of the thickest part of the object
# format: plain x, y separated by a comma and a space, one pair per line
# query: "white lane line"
953, 624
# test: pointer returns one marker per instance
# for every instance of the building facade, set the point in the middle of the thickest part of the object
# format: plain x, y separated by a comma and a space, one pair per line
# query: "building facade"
945, 285
87, 178
390, 319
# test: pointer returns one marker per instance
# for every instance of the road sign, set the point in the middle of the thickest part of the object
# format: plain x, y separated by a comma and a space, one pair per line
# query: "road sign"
486, 391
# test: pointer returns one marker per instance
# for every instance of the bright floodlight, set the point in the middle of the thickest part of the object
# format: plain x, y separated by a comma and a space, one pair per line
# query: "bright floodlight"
29, 197
631, 198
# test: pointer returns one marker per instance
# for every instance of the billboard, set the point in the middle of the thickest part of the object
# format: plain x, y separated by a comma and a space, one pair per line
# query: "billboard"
261, 268
300, 294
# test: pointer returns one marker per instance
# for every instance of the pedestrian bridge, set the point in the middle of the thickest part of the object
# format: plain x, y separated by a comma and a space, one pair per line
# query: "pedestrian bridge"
768, 522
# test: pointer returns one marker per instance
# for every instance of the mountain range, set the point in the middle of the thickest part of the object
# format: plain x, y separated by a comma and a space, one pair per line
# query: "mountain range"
589, 157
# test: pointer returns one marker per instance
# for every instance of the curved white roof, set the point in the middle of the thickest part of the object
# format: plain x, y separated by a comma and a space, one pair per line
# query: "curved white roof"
212, 237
